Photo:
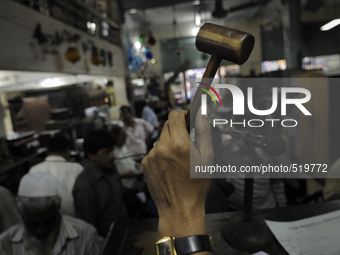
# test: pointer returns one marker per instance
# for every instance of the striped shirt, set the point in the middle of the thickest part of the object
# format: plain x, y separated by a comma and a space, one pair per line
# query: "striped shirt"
76, 237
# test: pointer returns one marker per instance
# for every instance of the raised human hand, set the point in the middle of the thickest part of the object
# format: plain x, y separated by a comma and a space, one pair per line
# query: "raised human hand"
179, 199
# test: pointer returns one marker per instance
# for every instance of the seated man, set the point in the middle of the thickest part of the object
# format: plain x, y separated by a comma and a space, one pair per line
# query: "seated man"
66, 172
9, 213
43, 229
180, 199
131, 174
150, 116
138, 131
98, 191
127, 168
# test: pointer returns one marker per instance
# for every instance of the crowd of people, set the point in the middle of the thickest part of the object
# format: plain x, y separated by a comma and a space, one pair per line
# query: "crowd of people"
66, 207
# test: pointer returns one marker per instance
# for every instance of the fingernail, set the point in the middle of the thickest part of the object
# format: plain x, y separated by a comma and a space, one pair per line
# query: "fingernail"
154, 144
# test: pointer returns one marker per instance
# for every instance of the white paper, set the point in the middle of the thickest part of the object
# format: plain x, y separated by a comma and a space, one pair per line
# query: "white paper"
319, 235
260, 253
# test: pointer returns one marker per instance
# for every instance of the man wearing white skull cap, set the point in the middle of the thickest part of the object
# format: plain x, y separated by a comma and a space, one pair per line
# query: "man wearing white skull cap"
43, 230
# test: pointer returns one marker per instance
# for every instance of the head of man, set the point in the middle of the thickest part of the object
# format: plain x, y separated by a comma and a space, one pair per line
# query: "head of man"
120, 134
126, 115
152, 101
60, 145
39, 204
98, 147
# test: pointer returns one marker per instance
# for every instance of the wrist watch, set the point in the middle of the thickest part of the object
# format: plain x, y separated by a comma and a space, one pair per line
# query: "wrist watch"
184, 245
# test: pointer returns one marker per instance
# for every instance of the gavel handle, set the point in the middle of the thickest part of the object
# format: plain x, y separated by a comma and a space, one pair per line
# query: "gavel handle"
209, 74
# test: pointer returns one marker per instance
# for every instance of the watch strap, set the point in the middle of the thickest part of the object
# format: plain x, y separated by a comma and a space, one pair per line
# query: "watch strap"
192, 244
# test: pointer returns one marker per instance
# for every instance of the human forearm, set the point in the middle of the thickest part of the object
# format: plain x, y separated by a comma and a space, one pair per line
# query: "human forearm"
179, 224
180, 199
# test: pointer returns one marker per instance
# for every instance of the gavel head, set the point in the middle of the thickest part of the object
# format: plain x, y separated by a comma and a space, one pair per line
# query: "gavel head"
225, 43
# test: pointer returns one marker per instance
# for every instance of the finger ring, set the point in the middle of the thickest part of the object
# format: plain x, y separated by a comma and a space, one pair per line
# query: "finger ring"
154, 144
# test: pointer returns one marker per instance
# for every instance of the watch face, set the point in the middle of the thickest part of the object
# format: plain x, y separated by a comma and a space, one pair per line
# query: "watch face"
163, 246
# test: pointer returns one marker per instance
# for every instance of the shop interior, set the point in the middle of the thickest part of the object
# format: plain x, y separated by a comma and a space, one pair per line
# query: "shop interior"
67, 68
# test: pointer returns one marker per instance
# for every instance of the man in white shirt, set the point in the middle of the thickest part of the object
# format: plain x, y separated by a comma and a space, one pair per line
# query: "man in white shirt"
65, 172
138, 132
127, 168
150, 116
9, 213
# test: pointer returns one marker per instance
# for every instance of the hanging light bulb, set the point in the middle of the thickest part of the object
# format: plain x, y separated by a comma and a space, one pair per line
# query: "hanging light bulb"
138, 45
219, 12
198, 20
198, 15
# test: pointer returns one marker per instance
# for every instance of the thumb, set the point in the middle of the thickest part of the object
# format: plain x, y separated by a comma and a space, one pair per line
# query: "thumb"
203, 134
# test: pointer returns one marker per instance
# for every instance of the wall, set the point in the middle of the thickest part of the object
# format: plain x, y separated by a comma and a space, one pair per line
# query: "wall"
2, 115
184, 30
6, 115
120, 91
20, 51
255, 59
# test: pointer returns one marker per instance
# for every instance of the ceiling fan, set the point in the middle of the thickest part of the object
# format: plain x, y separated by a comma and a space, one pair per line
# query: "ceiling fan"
219, 12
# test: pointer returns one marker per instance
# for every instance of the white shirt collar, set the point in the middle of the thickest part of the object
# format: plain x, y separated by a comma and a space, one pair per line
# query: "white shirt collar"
55, 158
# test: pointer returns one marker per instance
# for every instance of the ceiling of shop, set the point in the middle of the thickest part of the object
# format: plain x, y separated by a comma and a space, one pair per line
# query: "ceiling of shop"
183, 12
159, 15
155, 14
147, 4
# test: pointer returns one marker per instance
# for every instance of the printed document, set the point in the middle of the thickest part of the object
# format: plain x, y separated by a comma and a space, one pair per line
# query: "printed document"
311, 236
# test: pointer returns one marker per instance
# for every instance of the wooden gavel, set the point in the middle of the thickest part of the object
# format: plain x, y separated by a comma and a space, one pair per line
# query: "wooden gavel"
221, 43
